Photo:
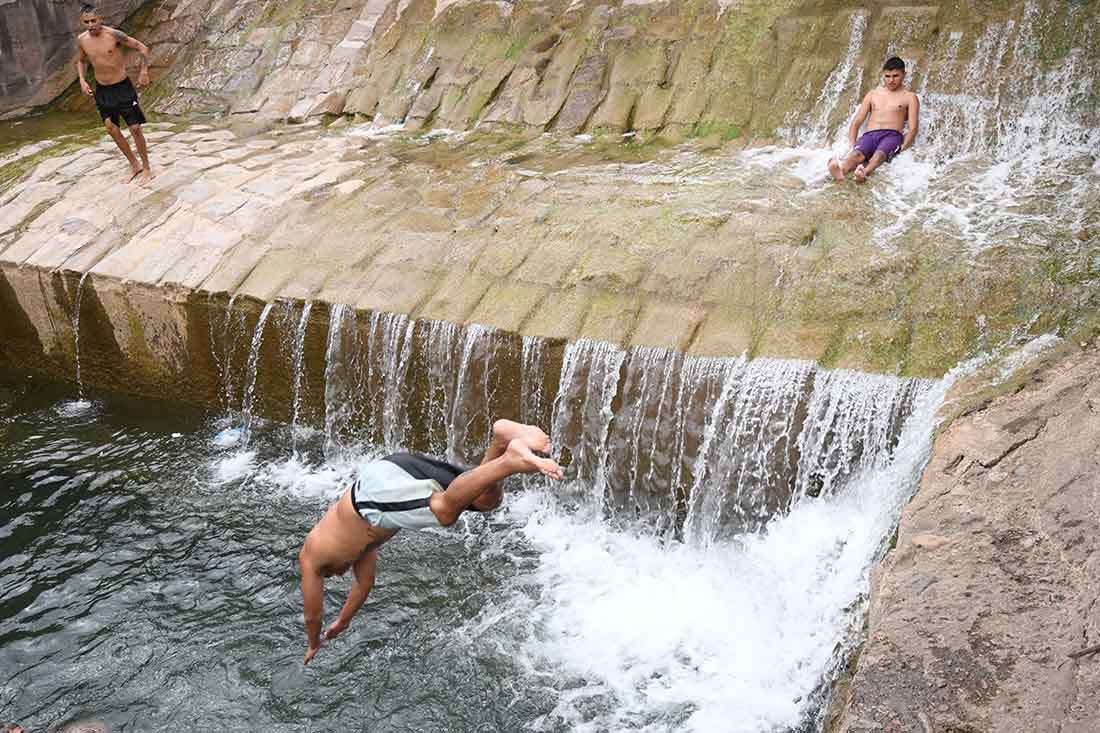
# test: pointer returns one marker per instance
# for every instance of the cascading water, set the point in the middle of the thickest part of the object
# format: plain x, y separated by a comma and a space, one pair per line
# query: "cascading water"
752, 495
76, 333
253, 368
298, 356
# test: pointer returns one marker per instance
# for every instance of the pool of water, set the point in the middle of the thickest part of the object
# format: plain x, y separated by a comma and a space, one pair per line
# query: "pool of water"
149, 581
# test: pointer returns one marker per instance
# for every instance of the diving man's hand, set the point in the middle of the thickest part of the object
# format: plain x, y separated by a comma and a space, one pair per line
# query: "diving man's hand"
336, 628
311, 652
85, 87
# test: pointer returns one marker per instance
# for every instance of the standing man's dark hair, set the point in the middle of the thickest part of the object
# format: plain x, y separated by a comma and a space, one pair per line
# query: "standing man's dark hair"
894, 64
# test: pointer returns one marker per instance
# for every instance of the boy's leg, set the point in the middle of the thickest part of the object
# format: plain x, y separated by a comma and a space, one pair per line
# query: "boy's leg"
120, 141
853, 161
471, 485
876, 160
143, 151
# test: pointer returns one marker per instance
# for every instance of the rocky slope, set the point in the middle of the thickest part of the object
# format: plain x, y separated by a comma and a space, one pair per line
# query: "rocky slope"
993, 585
38, 47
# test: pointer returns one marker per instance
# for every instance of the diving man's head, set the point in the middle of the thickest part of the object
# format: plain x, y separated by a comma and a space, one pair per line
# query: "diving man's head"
893, 73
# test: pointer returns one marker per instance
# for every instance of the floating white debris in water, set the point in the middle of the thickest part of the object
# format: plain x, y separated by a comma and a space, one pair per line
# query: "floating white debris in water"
228, 438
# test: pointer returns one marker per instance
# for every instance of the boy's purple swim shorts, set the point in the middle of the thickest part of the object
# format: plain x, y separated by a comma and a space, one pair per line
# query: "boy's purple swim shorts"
888, 142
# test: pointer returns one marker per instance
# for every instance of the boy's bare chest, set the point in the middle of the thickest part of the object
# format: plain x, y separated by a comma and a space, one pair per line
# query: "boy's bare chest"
890, 104
105, 49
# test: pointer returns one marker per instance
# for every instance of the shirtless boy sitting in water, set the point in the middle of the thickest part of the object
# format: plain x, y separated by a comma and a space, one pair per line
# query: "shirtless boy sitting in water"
890, 107
405, 491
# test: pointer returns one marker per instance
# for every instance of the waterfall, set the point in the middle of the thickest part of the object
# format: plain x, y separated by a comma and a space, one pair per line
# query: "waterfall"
582, 414
469, 421
252, 370
339, 389
397, 355
843, 80
76, 332
699, 449
298, 356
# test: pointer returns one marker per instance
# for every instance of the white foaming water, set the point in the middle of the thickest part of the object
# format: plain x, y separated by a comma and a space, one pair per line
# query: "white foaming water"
326, 480
741, 635
234, 466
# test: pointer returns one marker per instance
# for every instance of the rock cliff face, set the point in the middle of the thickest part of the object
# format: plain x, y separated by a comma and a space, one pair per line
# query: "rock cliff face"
675, 68
38, 47
996, 575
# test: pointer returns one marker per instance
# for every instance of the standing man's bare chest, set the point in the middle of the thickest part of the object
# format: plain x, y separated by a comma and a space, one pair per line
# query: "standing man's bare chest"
104, 50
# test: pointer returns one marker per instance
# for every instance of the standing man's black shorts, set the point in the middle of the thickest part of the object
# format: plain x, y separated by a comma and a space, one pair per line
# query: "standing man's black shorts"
119, 100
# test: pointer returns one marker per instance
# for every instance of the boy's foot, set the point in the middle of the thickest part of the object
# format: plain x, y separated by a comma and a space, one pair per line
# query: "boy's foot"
861, 174
135, 171
527, 462
146, 176
835, 169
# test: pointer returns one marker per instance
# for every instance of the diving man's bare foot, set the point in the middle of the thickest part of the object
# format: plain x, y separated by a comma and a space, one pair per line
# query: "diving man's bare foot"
135, 171
146, 176
509, 430
835, 169
527, 462
861, 174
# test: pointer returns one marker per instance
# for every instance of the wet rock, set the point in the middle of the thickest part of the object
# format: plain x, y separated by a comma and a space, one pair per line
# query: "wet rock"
994, 581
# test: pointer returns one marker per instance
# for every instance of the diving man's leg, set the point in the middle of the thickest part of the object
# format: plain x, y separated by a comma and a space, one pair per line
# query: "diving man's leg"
505, 431
473, 484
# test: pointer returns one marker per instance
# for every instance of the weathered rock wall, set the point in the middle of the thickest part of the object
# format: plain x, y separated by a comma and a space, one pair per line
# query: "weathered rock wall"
38, 48
996, 575
683, 68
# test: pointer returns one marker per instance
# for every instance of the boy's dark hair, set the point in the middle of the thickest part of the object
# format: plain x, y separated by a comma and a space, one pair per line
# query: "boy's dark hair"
86, 8
894, 64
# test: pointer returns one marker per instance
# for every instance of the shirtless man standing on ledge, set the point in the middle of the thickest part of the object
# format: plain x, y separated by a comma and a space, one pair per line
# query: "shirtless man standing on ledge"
890, 107
115, 96
405, 491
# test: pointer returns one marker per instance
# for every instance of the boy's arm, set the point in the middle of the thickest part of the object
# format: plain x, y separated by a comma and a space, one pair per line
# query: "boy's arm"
313, 603
141, 48
914, 123
81, 67
364, 569
857, 121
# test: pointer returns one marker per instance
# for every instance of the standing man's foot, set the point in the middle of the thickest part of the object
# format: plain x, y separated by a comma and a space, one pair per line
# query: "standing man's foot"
146, 176
527, 462
135, 171
861, 174
835, 169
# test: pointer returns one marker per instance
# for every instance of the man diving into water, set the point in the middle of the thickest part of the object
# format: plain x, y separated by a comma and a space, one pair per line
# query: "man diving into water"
405, 491
889, 107
115, 96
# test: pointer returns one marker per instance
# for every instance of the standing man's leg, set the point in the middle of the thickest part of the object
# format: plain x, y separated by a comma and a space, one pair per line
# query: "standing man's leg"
143, 151
120, 141
473, 484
